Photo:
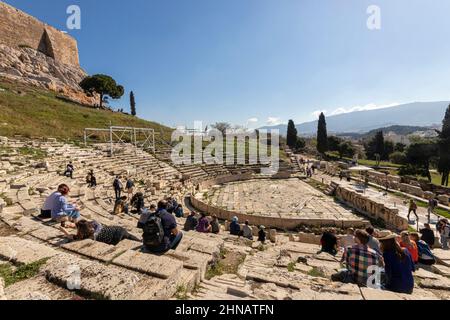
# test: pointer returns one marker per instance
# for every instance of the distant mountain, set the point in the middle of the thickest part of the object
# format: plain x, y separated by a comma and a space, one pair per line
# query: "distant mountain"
400, 130
421, 114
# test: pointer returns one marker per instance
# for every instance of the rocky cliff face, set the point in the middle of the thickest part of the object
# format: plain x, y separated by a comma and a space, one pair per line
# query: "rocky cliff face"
32, 67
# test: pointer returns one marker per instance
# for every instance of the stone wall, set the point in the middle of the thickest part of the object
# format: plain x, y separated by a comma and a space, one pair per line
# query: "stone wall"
18, 29
272, 222
372, 209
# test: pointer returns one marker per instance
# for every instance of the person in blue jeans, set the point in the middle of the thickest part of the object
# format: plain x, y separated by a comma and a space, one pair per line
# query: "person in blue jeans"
61, 210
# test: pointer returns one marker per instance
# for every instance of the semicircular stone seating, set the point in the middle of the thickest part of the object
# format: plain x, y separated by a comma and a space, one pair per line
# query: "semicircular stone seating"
282, 269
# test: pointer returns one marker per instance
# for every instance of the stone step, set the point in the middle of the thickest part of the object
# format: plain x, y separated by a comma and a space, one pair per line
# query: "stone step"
21, 251
93, 279
157, 266
38, 288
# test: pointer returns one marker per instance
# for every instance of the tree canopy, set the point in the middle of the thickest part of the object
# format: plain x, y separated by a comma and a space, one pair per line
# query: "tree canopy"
103, 85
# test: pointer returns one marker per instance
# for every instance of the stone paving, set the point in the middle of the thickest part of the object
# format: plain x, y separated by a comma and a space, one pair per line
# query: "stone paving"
290, 198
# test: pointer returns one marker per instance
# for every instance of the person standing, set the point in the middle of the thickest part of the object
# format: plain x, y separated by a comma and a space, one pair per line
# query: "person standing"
432, 204
413, 209
130, 187
117, 185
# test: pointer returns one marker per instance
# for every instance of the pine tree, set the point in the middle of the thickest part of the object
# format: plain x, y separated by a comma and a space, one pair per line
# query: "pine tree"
291, 135
132, 104
444, 149
322, 136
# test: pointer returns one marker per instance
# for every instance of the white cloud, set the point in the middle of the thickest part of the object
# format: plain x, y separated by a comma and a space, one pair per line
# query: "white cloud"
273, 121
342, 110
252, 120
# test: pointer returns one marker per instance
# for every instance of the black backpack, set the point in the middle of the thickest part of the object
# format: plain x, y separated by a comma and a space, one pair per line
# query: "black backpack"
153, 232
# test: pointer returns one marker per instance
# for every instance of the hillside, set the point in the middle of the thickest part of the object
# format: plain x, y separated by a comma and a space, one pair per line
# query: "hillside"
33, 112
413, 114
400, 130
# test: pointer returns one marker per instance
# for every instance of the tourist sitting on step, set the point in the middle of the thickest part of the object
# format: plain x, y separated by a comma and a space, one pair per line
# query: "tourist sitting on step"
191, 222
203, 224
235, 228
398, 266
247, 232
329, 242
172, 204
161, 233
426, 257
373, 241
179, 212
407, 243
130, 187
428, 235
357, 260
117, 185
62, 211
215, 226
262, 234
121, 206
105, 234
348, 240
46, 211
91, 180
138, 203
146, 213
69, 170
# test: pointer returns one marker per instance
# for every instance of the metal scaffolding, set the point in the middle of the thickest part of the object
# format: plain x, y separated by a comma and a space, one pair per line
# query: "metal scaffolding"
143, 138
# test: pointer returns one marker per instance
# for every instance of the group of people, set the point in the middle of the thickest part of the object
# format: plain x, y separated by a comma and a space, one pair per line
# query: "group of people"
246, 231
394, 256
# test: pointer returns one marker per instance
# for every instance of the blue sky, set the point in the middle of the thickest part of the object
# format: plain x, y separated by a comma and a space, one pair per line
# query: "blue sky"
265, 60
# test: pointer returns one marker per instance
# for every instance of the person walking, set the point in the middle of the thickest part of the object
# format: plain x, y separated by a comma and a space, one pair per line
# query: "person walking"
117, 185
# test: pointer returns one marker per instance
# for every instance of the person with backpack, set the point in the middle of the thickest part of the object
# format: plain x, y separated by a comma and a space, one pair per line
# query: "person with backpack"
117, 185
146, 213
161, 233
432, 204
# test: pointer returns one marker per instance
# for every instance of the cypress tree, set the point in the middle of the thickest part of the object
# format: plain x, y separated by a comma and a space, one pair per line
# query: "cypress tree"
444, 149
291, 135
322, 136
132, 104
